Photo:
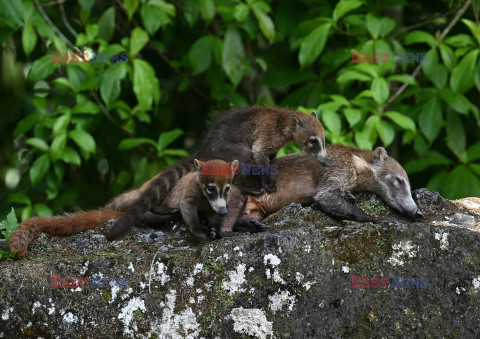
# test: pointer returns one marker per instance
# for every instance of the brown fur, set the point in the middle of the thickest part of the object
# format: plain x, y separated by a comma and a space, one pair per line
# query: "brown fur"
67, 224
250, 135
301, 180
186, 195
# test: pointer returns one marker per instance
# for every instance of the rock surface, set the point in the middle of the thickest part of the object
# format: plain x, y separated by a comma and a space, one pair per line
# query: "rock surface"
307, 276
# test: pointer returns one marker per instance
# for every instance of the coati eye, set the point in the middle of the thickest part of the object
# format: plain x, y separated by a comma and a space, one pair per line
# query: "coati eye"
227, 188
210, 188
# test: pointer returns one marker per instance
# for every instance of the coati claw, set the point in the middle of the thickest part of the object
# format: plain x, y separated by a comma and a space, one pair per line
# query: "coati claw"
349, 196
248, 225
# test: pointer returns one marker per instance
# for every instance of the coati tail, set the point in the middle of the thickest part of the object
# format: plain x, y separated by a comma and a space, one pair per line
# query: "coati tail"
153, 192
67, 224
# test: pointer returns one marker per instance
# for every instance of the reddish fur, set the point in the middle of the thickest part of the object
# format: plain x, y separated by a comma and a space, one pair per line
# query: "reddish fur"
68, 224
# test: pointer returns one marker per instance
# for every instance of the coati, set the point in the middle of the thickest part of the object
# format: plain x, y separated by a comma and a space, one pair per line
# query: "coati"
193, 193
250, 135
301, 180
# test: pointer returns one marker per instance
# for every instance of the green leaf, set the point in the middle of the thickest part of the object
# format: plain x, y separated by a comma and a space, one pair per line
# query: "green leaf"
352, 75
461, 183
434, 70
138, 40
26, 124
106, 24
153, 18
401, 120
58, 146
477, 76
455, 100
332, 122
456, 139
166, 138
110, 84
353, 115
240, 12
201, 53
42, 68
368, 136
416, 37
343, 7
386, 132
265, 23
380, 89
43, 210
83, 139
70, 156
473, 152
379, 26
175, 152
405, 78
60, 125
145, 84
86, 107
207, 9
29, 39
166, 7
233, 55
448, 57
11, 224
429, 159
86, 4
38, 143
19, 198
127, 144
313, 44
462, 78
39, 169
131, 7
430, 119
474, 28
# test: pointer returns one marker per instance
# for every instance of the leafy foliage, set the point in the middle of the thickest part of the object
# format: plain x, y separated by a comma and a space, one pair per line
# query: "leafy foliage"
7, 226
85, 131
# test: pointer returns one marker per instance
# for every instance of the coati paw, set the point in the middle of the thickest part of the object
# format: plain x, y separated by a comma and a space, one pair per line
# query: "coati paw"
252, 190
349, 196
269, 184
159, 210
248, 225
200, 234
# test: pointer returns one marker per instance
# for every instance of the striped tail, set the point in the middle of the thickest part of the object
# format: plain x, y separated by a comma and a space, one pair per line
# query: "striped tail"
153, 192
67, 224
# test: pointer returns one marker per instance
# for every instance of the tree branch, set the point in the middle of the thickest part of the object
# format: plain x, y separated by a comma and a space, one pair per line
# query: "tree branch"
417, 69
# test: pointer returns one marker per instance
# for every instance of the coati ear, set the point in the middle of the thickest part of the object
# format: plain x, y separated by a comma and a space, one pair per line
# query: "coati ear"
315, 115
198, 165
234, 165
296, 122
379, 156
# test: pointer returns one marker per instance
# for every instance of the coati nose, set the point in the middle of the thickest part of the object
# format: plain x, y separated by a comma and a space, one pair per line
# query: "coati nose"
223, 210
325, 162
419, 213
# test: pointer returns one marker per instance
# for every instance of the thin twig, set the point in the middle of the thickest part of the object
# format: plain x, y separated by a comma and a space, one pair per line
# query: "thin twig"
419, 66
55, 28
423, 23
150, 273
65, 21
475, 12
53, 3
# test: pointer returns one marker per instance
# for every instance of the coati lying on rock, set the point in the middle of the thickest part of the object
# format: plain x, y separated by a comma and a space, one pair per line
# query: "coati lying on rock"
193, 193
301, 180
250, 135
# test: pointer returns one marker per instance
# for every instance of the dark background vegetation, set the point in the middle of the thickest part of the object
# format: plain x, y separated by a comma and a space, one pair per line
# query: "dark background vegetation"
75, 134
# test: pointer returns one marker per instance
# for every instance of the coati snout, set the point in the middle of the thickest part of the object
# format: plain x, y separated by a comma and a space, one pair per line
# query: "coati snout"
310, 136
215, 179
392, 184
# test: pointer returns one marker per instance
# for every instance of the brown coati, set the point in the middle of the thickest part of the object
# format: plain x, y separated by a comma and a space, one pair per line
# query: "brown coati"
301, 180
250, 135
193, 193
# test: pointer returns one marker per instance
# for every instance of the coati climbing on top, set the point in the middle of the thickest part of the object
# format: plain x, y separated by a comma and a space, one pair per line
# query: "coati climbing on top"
301, 180
193, 193
250, 135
